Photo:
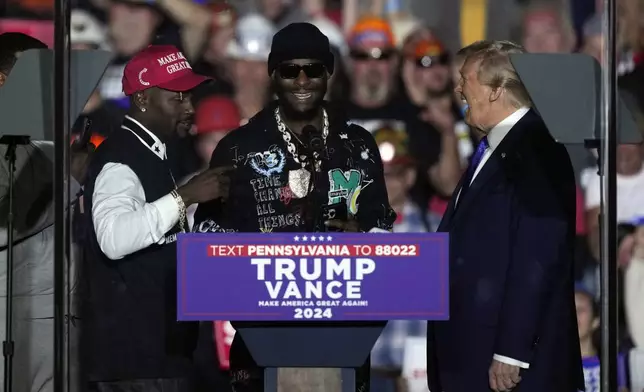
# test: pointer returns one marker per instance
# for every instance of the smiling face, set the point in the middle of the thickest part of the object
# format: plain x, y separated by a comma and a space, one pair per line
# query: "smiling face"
301, 84
475, 95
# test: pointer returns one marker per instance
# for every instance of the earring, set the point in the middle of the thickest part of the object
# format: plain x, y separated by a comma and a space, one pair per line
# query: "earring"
143, 109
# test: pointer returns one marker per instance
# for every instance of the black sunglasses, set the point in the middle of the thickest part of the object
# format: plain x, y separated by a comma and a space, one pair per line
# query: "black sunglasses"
373, 55
430, 61
292, 71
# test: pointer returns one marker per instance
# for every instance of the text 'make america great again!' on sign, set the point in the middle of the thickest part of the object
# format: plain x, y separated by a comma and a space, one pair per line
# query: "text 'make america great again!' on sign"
312, 277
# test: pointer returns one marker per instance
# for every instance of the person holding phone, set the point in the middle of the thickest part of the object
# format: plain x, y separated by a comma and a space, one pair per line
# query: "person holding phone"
300, 167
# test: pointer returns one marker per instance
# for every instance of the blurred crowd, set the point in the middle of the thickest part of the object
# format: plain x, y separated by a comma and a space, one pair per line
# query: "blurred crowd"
395, 74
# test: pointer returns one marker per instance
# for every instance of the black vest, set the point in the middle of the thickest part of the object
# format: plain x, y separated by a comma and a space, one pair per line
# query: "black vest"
129, 309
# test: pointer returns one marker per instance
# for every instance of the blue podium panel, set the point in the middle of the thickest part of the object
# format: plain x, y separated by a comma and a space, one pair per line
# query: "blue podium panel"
319, 346
313, 277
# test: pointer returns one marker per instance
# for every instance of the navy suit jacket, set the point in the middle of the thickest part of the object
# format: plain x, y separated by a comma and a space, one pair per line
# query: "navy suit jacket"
511, 270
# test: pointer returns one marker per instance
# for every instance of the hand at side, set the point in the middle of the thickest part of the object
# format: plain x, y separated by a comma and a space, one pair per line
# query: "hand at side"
503, 377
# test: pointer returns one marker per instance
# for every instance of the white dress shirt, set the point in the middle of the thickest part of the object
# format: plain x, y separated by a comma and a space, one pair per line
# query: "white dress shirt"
123, 221
494, 138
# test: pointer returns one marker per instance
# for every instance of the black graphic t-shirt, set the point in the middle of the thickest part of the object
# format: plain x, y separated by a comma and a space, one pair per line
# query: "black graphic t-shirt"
261, 199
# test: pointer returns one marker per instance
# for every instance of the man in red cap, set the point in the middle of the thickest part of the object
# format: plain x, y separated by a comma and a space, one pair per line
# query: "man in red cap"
131, 337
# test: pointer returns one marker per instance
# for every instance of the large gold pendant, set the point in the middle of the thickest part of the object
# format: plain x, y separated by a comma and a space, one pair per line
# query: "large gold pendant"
298, 181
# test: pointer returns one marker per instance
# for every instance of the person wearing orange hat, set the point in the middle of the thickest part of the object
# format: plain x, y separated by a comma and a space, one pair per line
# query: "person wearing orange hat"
428, 64
426, 74
373, 61
376, 100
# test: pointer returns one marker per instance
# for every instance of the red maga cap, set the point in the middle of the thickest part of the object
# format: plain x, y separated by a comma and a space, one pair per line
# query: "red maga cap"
162, 66
217, 114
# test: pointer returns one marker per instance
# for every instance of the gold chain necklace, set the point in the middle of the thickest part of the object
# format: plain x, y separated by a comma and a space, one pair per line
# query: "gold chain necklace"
299, 180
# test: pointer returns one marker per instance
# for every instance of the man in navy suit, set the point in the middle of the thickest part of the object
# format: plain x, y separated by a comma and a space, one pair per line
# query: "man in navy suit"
511, 222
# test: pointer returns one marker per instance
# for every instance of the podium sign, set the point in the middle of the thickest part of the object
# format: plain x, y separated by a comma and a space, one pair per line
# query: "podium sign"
305, 277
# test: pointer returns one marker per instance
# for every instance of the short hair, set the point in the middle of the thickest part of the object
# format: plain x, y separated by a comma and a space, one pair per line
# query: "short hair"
13, 43
496, 70
470, 49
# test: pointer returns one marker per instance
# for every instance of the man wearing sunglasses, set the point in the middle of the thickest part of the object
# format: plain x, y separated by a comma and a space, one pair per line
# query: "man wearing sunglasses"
430, 76
378, 100
298, 163
373, 62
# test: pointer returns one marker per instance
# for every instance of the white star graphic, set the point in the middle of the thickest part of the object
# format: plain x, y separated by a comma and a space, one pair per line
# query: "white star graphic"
329, 238
305, 238
296, 238
312, 238
344, 136
321, 238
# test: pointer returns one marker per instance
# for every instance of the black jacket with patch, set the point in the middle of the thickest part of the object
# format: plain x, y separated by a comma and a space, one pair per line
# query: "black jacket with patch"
260, 197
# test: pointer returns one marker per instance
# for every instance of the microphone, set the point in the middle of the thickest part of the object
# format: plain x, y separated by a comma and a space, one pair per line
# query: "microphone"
312, 138
315, 141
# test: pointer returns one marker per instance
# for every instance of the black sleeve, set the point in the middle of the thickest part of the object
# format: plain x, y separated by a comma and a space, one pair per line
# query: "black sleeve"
209, 216
374, 210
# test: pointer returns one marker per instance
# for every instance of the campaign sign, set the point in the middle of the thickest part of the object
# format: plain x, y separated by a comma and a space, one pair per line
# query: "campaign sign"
314, 277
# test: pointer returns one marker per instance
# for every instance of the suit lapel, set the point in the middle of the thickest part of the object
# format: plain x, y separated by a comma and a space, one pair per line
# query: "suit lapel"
489, 169
507, 148
449, 212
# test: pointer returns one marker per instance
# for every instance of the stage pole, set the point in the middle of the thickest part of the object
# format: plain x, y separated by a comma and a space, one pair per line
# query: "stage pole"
61, 185
608, 219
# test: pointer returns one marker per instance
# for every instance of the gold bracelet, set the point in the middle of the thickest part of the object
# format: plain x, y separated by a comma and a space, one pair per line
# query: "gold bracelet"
182, 210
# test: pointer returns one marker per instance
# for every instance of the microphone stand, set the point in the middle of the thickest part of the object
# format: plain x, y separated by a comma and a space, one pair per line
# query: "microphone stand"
315, 146
12, 142
313, 202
